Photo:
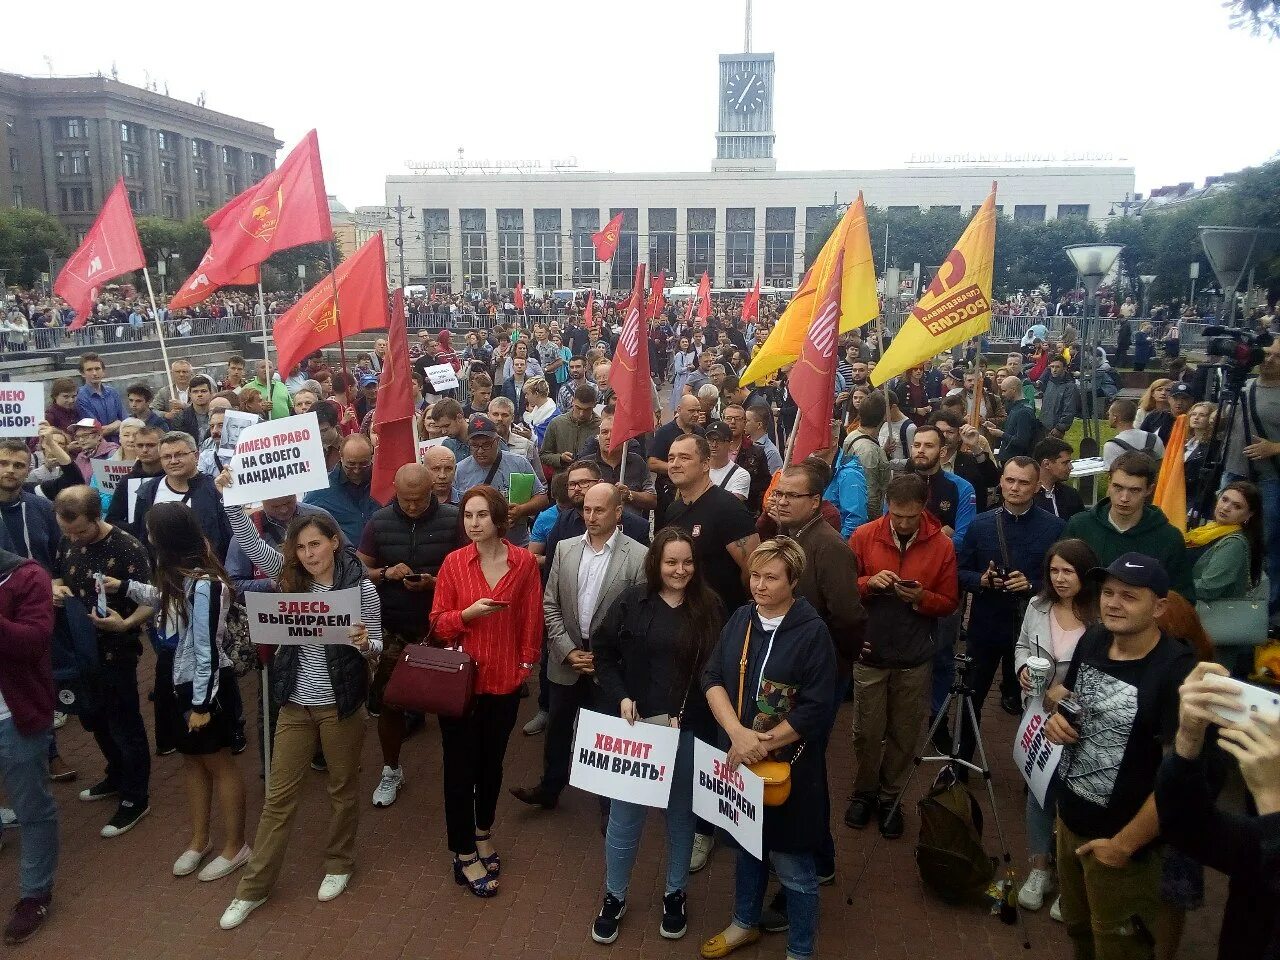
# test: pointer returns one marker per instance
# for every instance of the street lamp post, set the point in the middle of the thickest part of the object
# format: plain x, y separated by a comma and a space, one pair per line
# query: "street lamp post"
399, 210
1230, 251
302, 279
1093, 261
1147, 280
1193, 272
49, 252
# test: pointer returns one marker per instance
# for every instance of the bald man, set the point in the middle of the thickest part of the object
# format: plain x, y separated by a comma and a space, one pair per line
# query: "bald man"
402, 548
1019, 434
441, 464
686, 422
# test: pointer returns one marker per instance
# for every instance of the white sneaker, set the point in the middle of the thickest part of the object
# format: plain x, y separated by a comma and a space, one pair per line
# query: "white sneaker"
702, 847
1038, 883
7, 816
536, 725
1056, 910
388, 787
238, 911
332, 886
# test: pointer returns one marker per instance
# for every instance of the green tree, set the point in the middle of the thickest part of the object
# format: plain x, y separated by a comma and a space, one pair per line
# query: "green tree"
188, 239
24, 236
1259, 17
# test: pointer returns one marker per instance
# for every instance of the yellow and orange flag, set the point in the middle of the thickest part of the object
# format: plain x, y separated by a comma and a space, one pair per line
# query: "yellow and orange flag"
859, 303
1171, 487
957, 304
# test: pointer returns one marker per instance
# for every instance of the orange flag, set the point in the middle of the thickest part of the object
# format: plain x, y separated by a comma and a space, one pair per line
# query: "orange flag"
1171, 487
606, 241
317, 320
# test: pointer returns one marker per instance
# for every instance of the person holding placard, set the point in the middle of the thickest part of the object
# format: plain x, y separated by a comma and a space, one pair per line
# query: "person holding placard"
649, 653
322, 690
1055, 621
182, 482
770, 684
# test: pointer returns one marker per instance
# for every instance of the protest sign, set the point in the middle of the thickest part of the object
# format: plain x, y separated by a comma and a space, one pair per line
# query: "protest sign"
284, 618
732, 799
234, 423
425, 445
111, 473
1035, 756
632, 762
277, 458
21, 409
441, 377
132, 486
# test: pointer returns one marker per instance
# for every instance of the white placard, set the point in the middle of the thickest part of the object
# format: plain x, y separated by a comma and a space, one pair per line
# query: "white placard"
110, 473
21, 409
1035, 756
277, 458
132, 486
732, 799
441, 377
234, 423
632, 762
295, 618
425, 445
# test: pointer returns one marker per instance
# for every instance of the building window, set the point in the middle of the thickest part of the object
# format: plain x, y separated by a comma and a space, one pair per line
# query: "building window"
700, 257
945, 209
1030, 212
80, 162
1080, 210
227, 155
586, 269
662, 241
435, 236
628, 255
132, 165
13, 160
138, 201
71, 128
817, 220
258, 164
740, 246
232, 184
19, 198
168, 173
779, 246
510, 248
475, 249
129, 133
200, 149
202, 178
60, 161
171, 206
547, 250
77, 199
999, 209
163, 140
202, 204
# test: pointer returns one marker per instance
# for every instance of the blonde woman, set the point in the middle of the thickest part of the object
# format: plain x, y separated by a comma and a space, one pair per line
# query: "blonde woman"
539, 408
1200, 422
1154, 404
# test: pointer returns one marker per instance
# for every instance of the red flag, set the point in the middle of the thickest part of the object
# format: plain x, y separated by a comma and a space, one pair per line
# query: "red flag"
197, 289
287, 208
393, 415
631, 381
657, 296
704, 298
751, 304
519, 297
688, 309
812, 380
110, 248
588, 320
606, 241
313, 322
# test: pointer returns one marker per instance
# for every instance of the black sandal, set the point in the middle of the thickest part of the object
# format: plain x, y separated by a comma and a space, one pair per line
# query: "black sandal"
493, 862
486, 886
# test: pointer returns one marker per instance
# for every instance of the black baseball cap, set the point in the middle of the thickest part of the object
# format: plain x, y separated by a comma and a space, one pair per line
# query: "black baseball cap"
718, 430
481, 426
1180, 390
1137, 570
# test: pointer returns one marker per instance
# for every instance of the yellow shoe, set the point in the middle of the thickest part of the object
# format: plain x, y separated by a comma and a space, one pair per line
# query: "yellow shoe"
719, 945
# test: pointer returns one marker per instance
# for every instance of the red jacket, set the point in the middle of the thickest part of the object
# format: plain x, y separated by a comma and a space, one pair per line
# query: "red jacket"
897, 634
26, 638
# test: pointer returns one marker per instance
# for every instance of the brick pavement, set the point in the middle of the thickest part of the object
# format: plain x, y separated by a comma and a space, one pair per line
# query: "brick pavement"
117, 899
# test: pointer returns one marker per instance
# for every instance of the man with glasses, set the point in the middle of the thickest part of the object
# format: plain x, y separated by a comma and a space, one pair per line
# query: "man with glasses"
726, 474
348, 498
182, 482
490, 464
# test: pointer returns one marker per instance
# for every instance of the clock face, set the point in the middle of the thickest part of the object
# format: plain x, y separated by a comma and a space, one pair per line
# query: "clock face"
744, 93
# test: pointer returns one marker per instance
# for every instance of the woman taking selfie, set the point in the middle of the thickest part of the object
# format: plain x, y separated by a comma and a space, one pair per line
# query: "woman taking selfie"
1055, 620
488, 601
322, 689
770, 683
649, 655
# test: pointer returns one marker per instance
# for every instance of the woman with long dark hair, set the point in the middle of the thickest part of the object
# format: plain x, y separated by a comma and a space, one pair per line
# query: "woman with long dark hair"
649, 654
1230, 546
321, 689
1055, 620
191, 595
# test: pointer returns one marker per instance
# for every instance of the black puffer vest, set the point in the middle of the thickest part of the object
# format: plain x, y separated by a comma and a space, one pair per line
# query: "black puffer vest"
421, 544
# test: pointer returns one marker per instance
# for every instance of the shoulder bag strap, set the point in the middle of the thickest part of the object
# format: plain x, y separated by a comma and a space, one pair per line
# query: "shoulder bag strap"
1004, 545
742, 669
493, 471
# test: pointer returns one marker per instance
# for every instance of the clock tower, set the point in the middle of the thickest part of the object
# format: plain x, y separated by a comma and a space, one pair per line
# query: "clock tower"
745, 138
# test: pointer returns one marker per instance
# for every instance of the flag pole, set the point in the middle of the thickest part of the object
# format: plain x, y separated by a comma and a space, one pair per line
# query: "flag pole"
791, 440
266, 347
337, 313
164, 349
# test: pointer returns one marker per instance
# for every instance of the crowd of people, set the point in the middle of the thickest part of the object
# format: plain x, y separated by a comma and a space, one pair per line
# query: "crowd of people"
688, 577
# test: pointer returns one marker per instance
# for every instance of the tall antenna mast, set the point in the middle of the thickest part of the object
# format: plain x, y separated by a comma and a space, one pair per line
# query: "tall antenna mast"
746, 40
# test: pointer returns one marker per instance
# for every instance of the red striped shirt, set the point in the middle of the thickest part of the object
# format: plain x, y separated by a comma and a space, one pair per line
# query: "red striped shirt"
502, 641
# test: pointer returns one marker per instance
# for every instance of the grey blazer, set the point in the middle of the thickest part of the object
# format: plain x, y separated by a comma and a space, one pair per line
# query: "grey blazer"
560, 599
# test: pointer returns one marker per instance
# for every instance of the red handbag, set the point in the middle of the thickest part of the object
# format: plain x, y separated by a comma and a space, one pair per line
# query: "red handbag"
439, 680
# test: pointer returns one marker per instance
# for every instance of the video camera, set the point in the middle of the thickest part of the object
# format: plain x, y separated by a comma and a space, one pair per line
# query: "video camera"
1241, 349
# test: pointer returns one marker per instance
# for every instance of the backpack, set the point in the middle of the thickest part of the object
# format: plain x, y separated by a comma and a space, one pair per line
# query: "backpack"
949, 854
1148, 445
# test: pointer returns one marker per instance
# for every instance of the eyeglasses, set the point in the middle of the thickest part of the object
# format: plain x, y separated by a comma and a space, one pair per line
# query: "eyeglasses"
174, 457
362, 465
789, 497
584, 483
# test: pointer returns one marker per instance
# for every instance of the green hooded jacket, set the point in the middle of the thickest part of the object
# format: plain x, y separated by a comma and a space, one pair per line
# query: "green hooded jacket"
1153, 535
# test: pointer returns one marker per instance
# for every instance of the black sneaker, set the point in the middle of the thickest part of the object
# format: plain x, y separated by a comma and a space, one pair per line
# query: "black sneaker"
102, 790
319, 763
773, 918
674, 919
605, 929
239, 743
860, 811
891, 825
127, 816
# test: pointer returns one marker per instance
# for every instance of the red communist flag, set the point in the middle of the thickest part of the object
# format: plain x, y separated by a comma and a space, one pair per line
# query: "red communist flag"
657, 296
813, 378
110, 248
631, 381
519, 296
704, 297
198, 289
314, 322
588, 318
393, 414
688, 309
606, 241
751, 303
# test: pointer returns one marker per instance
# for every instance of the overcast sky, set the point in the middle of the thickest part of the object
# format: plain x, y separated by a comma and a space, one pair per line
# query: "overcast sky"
625, 86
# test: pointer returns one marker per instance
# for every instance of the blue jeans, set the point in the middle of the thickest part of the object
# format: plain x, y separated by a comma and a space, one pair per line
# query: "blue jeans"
24, 769
626, 821
798, 877
1040, 823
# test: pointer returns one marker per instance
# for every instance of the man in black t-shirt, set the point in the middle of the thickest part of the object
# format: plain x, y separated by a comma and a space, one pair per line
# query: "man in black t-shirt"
685, 423
1122, 690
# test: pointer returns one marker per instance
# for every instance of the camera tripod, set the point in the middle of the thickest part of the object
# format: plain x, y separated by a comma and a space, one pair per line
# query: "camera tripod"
960, 696
1230, 384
